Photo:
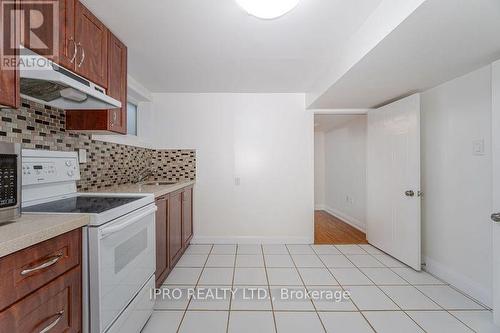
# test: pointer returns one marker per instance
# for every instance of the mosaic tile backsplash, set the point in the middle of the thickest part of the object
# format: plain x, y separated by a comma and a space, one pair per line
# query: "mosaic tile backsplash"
40, 127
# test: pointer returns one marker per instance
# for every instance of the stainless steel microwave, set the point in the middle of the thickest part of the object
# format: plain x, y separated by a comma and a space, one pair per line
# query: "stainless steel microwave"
10, 181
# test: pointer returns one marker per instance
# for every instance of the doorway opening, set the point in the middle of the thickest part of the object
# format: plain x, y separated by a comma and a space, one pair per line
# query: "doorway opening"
340, 178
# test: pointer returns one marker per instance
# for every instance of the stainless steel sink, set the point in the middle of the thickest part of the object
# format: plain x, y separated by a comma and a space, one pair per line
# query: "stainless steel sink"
159, 183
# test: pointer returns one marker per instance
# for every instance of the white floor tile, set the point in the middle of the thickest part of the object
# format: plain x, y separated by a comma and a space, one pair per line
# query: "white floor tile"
164, 322
438, 322
409, 298
389, 261
307, 260
249, 260
325, 249
274, 249
364, 260
198, 249
416, 278
370, 298
211, 298
183, 276
204, 321
298, 322
317, 277
345, 322
216, 276
173, 298
250, 322
392, 322
251, 298
289, 298
284, 277
249, 249
383, 276
336, 261
220, 260
300, 249
322, 298
350, 249
350, 276
224, 249
192, 260
250, 276
449, 298
480, 321
278, 260
370, 249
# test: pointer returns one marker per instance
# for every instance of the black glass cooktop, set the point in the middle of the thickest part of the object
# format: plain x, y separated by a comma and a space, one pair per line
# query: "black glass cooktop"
81, 204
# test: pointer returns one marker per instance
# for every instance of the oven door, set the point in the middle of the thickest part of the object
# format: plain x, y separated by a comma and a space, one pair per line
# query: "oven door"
121, 260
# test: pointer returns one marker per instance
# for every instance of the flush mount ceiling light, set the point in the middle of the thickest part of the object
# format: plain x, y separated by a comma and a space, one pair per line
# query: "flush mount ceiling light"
267, 9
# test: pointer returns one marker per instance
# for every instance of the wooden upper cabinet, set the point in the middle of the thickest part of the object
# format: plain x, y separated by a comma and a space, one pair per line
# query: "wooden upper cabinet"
114, 120
92, 44
67, 44
117, 83
9, 78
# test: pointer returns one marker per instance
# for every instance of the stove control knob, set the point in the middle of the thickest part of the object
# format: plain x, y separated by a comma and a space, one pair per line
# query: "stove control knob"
71, 173
68, 163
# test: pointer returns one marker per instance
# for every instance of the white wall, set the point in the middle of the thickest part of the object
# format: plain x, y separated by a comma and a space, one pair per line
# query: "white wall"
457, 241
345, 172
319, 170
263, 140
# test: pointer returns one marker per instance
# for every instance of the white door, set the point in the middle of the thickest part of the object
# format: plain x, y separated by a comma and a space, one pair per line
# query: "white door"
393, 180
496, 189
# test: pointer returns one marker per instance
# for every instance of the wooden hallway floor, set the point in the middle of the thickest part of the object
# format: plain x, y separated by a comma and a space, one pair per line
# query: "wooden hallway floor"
330, 230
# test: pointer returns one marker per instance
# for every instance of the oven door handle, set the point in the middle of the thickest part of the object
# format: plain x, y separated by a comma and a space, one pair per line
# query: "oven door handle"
118, 227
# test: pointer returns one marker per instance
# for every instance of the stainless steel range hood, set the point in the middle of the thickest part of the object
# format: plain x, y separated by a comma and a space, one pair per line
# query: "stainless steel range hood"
47, 83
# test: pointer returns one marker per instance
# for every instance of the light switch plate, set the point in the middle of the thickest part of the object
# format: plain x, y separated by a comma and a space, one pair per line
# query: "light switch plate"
82, 155
478, 147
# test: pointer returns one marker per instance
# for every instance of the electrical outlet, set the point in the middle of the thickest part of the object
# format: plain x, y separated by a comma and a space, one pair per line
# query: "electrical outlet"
478, 147
82, 155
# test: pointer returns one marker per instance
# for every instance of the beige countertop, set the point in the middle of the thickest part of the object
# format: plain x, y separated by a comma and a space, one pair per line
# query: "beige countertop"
31, 229
157, 190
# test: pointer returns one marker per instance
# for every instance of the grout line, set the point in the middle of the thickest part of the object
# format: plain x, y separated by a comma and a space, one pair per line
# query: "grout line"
195, 286
305, 287
269, 288
232, 289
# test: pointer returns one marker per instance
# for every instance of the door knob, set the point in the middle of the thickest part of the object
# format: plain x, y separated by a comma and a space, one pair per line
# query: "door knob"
495, 217
410, 193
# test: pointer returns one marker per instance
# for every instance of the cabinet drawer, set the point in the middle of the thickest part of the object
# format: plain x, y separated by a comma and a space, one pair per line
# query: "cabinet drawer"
53, 308
27, 270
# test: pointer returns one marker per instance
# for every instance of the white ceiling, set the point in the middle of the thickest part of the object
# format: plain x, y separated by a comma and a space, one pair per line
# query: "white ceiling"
439, 41
328, 122
213, 46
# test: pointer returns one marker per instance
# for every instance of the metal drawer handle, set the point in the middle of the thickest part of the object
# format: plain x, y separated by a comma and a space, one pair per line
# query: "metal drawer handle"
46, 264
83, 54
54, 323
495, 217
75, 49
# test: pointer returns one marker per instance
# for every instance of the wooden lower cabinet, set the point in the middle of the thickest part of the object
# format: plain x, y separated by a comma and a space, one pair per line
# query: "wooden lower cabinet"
175, 226
41, 289
56, 307
162, 244
174, 230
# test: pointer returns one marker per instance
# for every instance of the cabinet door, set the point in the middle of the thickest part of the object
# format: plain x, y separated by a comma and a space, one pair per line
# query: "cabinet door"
55, 307
117, 83
162, 258
187, 215
45, 33
9, 78
175, 227
92, 40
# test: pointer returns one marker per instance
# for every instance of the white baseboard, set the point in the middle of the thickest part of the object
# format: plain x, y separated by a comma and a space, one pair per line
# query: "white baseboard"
250, 240
459, 281
346, 218
319, 207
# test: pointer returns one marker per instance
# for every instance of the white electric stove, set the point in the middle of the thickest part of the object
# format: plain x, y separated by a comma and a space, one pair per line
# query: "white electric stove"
118, 245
